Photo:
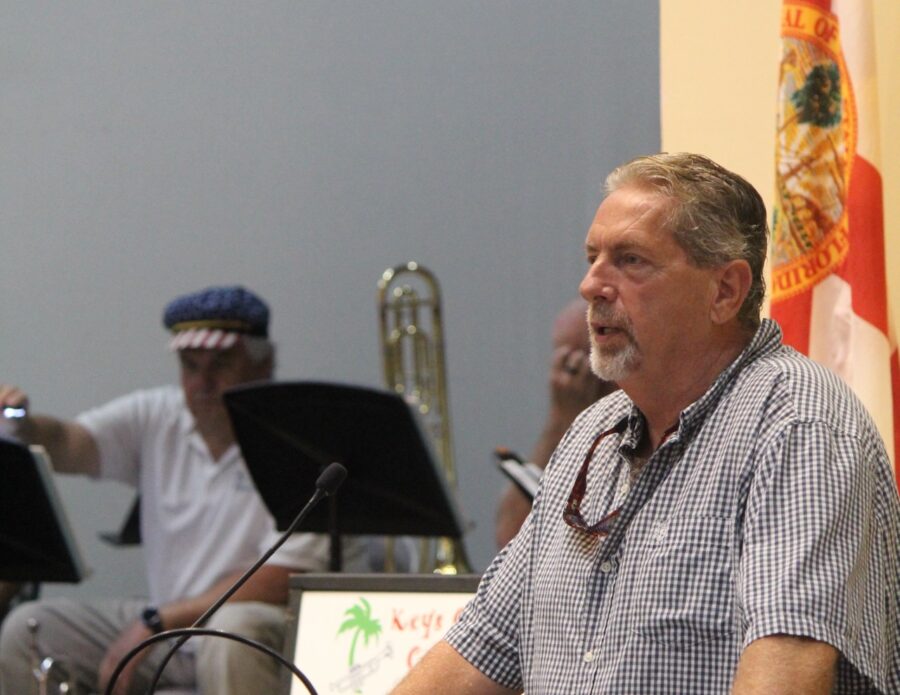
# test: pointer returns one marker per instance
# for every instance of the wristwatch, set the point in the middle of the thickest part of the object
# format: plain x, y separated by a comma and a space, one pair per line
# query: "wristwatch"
151, 618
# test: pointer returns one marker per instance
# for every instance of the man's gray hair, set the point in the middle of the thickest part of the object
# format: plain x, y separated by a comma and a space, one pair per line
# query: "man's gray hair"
717, 216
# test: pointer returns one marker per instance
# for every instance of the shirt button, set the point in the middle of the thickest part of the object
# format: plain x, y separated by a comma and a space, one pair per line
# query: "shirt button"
606, 567
660, 532
588, 657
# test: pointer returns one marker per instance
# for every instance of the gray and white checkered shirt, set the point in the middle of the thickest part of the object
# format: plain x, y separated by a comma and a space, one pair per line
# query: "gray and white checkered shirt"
771, 509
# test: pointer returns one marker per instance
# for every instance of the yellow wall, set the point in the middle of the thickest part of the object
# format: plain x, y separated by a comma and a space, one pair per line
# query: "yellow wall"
719, 68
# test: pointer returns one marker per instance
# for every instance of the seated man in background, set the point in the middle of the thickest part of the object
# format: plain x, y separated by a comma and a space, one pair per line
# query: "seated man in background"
573, 387
727, 521
202, 521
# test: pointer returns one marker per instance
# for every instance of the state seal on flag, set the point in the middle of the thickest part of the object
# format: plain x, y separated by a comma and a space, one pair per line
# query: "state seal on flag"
815, 146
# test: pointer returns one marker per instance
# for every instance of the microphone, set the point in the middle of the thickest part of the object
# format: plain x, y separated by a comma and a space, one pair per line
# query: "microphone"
331, 478
329, 481
327, 484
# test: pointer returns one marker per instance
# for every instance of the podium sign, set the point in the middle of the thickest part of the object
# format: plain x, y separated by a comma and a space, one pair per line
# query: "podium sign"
363, 633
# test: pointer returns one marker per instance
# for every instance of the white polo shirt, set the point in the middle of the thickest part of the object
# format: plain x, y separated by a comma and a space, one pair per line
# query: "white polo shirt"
201, 519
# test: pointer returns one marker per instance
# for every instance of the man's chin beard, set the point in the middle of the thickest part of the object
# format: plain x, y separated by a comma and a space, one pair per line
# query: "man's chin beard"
614, 367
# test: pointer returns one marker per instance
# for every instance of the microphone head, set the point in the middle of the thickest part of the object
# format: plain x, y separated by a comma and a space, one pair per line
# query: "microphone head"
331, 478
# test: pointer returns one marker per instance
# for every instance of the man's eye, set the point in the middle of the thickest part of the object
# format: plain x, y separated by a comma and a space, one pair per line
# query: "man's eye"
631, 259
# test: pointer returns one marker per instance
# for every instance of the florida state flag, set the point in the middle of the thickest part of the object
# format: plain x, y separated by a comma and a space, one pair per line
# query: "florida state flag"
828, 265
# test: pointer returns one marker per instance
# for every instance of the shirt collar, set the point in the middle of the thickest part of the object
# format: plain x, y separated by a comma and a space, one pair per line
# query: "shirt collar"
765, 341
188, 428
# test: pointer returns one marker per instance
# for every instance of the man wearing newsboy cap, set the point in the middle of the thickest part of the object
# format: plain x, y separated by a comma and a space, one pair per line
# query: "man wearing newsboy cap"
202, 521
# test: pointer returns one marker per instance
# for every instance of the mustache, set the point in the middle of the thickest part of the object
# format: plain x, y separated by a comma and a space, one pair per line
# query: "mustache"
608, 316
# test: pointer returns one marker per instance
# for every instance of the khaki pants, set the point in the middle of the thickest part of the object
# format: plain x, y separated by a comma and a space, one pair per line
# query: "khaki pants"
76, 635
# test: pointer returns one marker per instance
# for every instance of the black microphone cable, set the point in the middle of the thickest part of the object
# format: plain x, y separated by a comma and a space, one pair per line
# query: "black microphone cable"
187, 632
326, 484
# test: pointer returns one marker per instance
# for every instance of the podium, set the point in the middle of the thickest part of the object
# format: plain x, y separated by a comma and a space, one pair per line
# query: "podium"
289, 431
36, 540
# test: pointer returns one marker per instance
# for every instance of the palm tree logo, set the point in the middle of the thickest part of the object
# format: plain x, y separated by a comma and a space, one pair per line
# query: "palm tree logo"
361, 622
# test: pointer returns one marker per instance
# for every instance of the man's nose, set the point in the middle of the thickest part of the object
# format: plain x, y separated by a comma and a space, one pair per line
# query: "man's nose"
597, 283
205, 379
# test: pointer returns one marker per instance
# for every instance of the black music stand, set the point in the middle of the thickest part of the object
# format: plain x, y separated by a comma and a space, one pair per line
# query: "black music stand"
289, 432
129, 533
36, 541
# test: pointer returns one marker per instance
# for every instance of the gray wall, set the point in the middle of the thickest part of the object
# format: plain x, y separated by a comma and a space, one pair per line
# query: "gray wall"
151, 148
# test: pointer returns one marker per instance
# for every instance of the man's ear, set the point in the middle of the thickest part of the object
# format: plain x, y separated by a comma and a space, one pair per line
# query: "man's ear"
733, 282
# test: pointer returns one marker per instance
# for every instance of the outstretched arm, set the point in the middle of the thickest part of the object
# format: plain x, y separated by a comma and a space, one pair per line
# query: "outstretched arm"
442, 671
71, 447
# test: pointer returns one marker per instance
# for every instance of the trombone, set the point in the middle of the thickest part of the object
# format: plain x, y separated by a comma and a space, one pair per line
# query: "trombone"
412, 348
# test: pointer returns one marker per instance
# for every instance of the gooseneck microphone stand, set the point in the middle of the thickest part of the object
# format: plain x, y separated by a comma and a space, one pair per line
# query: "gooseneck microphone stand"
326, 484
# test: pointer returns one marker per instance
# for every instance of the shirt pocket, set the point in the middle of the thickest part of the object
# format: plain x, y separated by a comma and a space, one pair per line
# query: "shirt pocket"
685, 590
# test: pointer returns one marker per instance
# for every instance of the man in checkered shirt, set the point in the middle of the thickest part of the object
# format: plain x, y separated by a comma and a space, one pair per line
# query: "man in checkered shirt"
728, 521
